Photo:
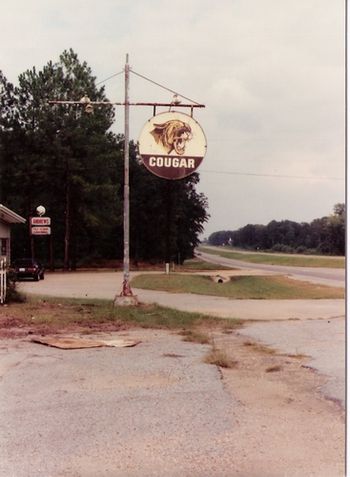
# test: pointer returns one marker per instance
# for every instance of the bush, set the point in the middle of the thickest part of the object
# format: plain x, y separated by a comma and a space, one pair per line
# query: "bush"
280, 247
12, 294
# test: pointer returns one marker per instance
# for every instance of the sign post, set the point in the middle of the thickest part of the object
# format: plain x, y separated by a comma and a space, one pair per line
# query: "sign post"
166, 164
41, 230
126, 297
43, 221
40, 225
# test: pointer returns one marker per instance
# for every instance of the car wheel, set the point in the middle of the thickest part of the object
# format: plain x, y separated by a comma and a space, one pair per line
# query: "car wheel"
42, 276
36, 278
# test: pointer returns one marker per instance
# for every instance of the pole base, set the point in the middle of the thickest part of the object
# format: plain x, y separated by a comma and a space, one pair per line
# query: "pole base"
129, 300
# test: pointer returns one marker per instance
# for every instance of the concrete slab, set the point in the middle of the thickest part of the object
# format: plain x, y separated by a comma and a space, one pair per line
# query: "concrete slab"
322, 340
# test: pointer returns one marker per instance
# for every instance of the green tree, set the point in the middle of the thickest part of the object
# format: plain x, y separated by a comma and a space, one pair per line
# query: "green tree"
166, 217
71, 163
66, 159
325, 235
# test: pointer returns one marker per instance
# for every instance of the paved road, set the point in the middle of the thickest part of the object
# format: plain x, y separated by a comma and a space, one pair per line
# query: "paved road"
322, 340
152, 410
108, 284
326, 276
115, 412
301, 334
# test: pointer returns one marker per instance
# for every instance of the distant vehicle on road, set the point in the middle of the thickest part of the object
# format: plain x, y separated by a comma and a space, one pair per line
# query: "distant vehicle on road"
28, 268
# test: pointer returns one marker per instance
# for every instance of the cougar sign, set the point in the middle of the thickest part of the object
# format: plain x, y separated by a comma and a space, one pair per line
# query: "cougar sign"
172, 145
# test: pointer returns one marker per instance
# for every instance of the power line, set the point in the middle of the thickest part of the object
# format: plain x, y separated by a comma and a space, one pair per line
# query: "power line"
164, 87
273, 175
109, 77
147, 79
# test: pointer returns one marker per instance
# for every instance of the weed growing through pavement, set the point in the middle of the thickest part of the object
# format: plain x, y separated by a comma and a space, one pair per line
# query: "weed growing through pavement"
220, 358
273, 369
195, 336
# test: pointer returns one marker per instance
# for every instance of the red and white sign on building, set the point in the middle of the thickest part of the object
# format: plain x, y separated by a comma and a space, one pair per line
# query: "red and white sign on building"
41, 230
40, 221
172, 145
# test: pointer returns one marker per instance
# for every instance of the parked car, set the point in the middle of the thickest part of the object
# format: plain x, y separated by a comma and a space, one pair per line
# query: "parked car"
28, 268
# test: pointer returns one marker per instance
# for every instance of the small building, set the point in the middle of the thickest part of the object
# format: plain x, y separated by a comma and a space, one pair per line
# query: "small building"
7, 218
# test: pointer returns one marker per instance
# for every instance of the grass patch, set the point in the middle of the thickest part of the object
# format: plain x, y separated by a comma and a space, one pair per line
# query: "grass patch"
220, 358
197, 264
244, 287
297, 356
195, 336
274, 259
54, 315
260, 347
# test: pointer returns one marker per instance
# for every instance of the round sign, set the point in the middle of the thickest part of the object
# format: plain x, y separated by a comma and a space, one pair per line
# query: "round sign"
172, 145
41, 210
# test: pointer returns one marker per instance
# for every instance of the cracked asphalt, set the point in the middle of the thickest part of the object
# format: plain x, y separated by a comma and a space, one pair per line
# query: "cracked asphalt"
317, 327
155, 409
152, 410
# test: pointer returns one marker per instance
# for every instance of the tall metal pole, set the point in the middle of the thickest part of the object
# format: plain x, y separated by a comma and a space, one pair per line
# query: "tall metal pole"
126, 296
126, 291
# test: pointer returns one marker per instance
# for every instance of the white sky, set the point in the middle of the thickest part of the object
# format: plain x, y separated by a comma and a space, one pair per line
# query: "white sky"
270, 72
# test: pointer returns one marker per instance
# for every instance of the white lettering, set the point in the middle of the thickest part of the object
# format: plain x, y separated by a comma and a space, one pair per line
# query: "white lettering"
175, 162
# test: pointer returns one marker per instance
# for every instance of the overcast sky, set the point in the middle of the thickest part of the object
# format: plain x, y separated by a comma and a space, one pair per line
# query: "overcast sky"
270, 72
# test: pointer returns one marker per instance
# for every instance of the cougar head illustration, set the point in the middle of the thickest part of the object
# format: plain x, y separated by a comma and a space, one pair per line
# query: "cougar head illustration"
172, 135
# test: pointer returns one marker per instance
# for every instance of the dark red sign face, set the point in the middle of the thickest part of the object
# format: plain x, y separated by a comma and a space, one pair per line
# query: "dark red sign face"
172, 145
171, 167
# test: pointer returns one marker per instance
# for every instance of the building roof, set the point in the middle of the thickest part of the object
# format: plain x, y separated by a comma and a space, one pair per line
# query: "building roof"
7, 215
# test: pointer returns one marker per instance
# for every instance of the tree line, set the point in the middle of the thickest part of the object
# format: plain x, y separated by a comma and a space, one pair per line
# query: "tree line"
324, 235
70, 162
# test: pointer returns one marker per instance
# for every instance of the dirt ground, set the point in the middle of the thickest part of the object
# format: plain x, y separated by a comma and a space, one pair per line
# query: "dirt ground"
284, 426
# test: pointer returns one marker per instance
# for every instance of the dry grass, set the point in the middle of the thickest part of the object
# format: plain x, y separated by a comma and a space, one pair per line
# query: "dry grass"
273, 369
220, 358
56, 315
260, 347
297, 356
195, 336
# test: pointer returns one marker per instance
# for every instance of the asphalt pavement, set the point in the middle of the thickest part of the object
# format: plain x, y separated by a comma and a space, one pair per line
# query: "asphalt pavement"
318, 324
315, 328
155, 409
106, 285
334, 277
152, 410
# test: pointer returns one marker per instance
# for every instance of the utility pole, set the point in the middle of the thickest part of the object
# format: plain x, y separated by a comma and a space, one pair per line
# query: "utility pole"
126, 296
126, 284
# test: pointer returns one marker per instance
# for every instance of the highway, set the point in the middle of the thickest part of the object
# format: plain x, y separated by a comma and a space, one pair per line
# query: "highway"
325, 276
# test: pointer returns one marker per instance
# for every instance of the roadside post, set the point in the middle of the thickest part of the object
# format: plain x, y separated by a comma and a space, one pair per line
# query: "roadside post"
164, 165
39, 226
